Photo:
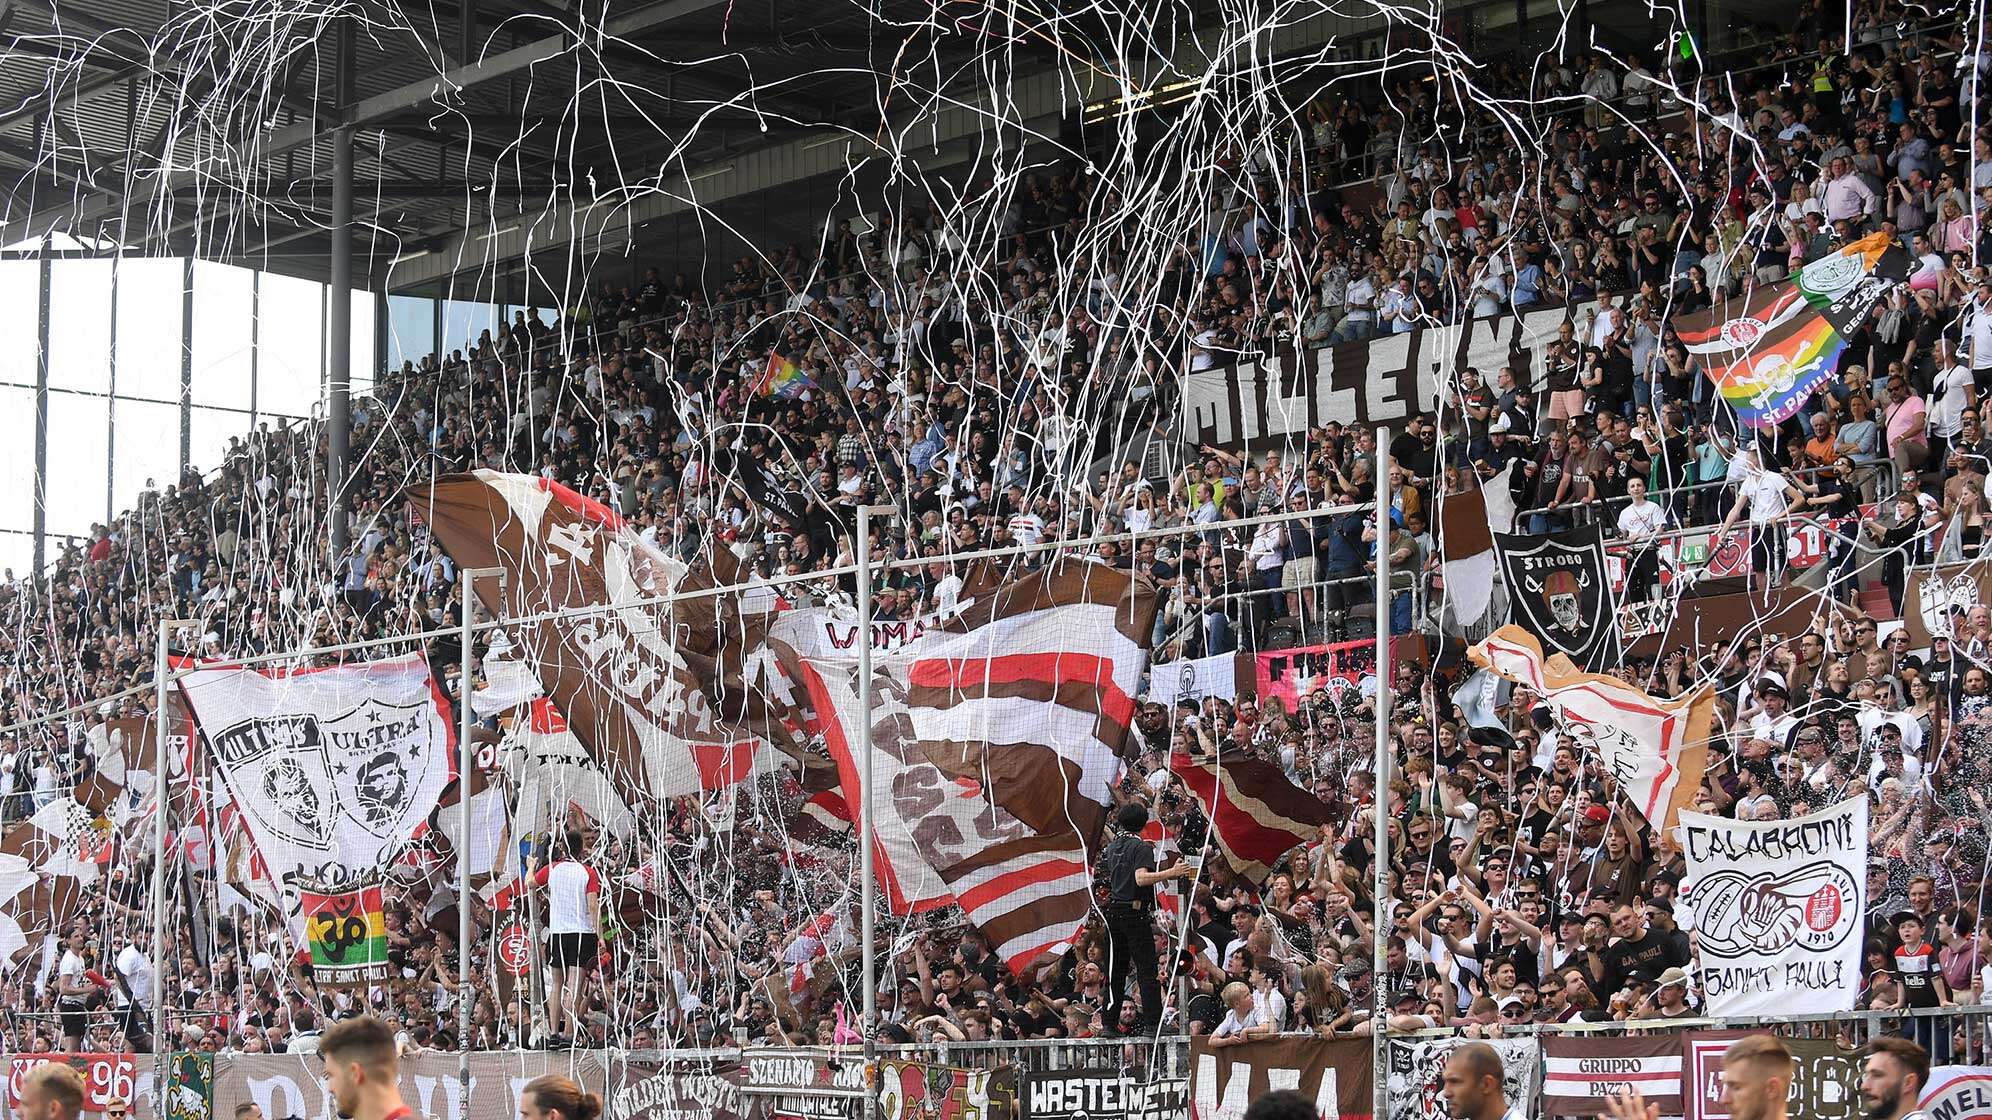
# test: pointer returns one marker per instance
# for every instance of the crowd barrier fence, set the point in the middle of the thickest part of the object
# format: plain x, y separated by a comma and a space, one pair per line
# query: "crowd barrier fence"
1166, 1078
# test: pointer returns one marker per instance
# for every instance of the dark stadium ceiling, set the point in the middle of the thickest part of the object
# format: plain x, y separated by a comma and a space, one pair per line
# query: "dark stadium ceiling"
86, 105
115, 129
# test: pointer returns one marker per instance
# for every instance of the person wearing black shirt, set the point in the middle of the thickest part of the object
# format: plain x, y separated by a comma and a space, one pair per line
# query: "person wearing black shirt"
1131, 879
1838, 498
1641, 952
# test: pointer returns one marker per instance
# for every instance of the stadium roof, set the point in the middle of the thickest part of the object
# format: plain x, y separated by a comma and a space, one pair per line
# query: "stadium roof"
159, 127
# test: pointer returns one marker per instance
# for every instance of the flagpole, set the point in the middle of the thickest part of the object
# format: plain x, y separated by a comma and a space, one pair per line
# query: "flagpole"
161, 1046
466, 718
1380, 887
867, 826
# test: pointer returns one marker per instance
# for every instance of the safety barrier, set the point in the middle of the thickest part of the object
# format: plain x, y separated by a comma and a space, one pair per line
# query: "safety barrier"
1039, 1079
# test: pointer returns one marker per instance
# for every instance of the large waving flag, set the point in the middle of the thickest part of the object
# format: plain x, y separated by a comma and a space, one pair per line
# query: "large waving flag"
642, 684
996, 733
1656, 750
1767, 353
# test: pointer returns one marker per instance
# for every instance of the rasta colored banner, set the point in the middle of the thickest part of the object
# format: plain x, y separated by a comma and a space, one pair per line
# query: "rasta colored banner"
347, 932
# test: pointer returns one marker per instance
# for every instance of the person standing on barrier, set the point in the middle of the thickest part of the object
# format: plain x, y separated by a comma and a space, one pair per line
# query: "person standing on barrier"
1472, 1084
1131, 879
362, 1070
1756, 1084
1893, 1078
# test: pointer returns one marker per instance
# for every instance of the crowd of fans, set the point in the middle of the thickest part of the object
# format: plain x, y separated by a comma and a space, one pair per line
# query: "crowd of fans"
1523, 890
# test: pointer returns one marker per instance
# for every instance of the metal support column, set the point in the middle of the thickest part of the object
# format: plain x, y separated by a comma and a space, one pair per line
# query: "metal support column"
867, 825
111, 405
339, 310
42, 318
382, 336
162, 1047
186, 367
466, 758
1380, 930
255, 348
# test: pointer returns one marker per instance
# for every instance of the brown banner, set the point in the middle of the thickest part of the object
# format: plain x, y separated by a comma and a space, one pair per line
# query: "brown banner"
293, 1084
683, 1088
1336, 1075
1935, 597
1825, 1082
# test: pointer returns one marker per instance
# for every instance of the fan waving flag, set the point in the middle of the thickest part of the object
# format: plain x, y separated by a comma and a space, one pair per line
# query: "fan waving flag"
1257, 815
995, 733
641, 682
1767, 353
1656, 750
782, 379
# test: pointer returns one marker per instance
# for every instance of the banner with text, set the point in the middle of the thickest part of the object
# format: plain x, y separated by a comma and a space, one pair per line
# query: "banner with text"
1959, 1093
1334, 1075
924, 1091
1580, 1076
1103, 1094
1777, 908
1824, 1086
293, 1085
687, 1087
1275, 401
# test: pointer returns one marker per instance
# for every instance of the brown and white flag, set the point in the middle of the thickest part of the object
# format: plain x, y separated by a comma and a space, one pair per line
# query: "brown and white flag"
996, 733
652, 688
1256, 815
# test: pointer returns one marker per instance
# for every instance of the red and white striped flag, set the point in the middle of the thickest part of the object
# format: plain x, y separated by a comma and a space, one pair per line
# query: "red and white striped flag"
996, 734
1256, 815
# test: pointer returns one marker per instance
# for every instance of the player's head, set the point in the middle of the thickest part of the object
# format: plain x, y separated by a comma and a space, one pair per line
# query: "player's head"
1893, 1076
1133, 817
360, 1059
1282, 1104
1756, 1076
1472, 1082
554, 1097
51, 1091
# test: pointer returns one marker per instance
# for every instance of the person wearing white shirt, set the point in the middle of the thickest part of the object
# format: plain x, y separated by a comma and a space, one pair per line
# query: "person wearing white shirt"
1359, 298
1242, 1022
135, 976
1639, 523
1951, 394
1846, 195
1768, 496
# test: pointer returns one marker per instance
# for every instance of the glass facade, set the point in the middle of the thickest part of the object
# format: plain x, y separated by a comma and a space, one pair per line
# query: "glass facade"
120, 345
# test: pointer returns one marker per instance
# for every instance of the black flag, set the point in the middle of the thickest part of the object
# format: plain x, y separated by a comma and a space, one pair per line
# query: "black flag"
1562, 593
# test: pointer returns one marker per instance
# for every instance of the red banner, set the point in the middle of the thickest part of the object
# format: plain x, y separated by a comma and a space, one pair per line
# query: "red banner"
1292, 674
107, 1078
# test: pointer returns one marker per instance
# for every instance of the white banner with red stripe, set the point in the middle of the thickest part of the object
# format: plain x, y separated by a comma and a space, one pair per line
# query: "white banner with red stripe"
1582, 1075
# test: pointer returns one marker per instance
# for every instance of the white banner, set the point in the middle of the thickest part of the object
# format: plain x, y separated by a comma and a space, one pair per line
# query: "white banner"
332, 769
1778, 909
1194, 678
1959, 1093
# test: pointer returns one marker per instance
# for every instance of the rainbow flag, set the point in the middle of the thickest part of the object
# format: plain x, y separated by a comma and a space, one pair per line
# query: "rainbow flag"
347, 934
1767, 353
783, 379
